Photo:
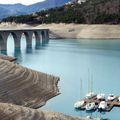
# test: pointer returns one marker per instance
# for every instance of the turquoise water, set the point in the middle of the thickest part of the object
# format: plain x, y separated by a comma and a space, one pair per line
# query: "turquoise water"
71, 60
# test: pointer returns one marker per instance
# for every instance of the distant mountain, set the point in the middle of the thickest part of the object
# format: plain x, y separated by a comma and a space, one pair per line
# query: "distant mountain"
11, 10
7, 10
44, 5
15, 7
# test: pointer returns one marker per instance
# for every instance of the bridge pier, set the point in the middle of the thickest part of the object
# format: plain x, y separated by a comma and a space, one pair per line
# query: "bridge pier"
47, 35
43, 35
38, 39
17, 39
29, 36
3, 40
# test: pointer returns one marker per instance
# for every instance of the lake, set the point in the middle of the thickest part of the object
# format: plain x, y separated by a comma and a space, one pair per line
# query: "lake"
75, 60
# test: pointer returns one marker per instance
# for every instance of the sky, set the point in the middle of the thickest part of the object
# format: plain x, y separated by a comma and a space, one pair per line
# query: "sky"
25, 2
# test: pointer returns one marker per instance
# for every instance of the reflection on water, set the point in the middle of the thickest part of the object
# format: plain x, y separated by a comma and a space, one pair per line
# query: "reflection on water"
29, 50
4, 52
18, 55
70, 59
38, 45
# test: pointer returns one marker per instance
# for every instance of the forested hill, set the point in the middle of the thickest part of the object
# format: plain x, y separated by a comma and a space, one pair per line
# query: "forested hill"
89, 12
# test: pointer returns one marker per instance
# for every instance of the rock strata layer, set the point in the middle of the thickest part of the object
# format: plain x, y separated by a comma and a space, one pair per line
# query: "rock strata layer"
26, 87
5, 57
14, 112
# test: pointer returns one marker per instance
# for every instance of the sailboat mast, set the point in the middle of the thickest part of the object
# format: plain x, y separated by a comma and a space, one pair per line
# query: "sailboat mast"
91, 83
80, 87
88, 80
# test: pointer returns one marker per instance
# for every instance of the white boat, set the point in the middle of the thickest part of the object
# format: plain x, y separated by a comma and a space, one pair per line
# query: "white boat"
101, 96
90, 95
90, 106
79, 104
111, 97
102, 105
119, 99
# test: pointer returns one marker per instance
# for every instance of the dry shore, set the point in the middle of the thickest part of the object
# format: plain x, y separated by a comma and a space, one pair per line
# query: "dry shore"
14, 112
83, 31
73, 30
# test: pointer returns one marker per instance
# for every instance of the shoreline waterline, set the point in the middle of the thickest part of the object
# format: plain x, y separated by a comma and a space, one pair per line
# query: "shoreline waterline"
81, 31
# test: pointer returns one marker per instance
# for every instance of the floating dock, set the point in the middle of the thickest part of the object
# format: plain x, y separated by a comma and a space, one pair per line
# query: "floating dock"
5, 57
111, 104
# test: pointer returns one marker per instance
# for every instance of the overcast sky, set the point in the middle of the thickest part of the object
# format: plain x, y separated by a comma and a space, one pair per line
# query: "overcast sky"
26, 2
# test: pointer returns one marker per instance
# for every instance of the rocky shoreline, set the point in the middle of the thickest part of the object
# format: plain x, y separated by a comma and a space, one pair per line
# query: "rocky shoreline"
14, 112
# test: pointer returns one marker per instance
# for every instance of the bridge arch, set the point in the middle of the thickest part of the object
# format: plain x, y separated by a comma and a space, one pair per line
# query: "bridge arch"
10, 44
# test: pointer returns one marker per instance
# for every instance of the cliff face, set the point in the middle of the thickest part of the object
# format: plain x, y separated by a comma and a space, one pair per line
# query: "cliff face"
26, 87
13, 112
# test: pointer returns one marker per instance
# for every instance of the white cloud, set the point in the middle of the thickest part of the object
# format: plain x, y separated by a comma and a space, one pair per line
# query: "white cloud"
26, 2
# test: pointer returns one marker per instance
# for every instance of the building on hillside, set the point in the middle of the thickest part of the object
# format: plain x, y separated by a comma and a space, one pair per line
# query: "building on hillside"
75, 1
79, 1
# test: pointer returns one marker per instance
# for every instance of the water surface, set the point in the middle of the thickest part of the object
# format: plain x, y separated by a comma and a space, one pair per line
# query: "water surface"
71, 60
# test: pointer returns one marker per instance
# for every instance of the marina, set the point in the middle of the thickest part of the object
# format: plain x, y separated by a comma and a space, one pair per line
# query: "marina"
110, 104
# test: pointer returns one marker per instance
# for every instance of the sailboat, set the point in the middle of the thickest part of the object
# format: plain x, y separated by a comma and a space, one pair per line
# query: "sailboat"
90, 106
79, 104
90, 93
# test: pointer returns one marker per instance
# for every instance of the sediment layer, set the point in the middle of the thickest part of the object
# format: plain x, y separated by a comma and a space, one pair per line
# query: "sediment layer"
14, 112
22, 86
5, 57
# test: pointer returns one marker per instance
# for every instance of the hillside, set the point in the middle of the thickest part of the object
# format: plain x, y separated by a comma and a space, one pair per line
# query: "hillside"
10, 10
89, 12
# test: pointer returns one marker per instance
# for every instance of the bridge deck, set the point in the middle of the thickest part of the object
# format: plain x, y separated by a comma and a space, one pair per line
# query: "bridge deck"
21, 29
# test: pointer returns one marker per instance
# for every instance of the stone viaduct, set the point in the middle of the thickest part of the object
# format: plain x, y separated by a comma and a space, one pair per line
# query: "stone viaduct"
40, 35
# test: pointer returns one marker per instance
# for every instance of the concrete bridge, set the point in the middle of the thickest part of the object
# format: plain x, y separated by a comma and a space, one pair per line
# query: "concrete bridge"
40, 35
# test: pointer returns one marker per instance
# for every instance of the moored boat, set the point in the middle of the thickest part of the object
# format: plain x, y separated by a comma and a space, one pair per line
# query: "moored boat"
102, 106
90, 95
90, 106
111, 97
101, 96
79, 104
119, 99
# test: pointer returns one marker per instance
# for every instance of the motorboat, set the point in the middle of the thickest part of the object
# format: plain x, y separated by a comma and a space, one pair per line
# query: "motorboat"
101, 96
90, 106
79, 104
90, 95
102, 106
111, 97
